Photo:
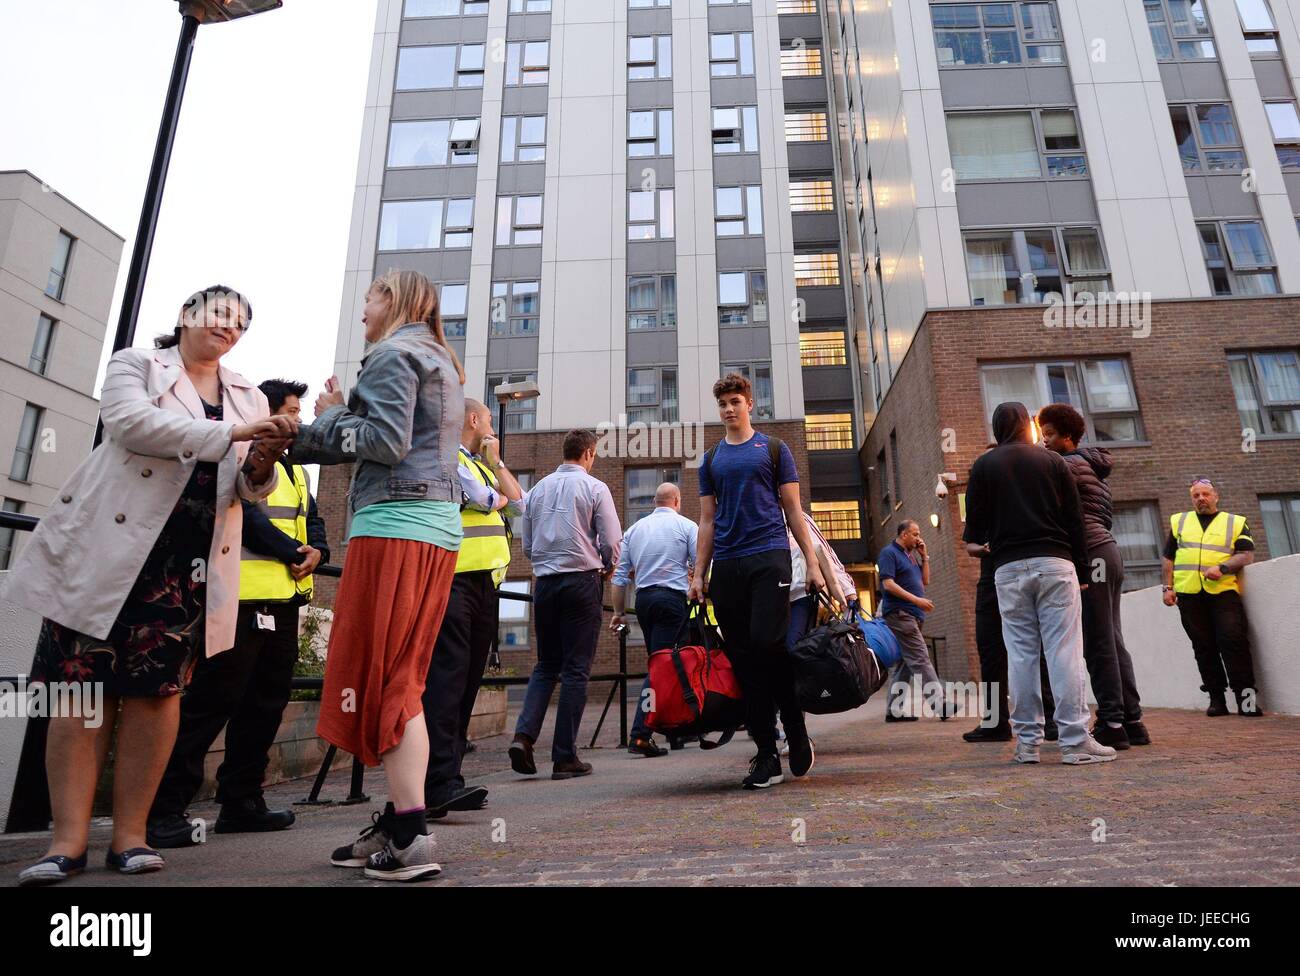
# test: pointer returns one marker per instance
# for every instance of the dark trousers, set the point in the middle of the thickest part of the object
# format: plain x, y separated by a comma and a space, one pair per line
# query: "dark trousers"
1109, 666
661, 611
455, 673
566, 613
993, 658
753, 610
245, 690
1216, 625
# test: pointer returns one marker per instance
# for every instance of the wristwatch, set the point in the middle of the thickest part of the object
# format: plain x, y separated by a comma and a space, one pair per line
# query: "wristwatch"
1167, 589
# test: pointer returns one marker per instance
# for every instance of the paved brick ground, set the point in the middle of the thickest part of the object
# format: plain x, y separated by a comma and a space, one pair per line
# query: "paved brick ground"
1211, 802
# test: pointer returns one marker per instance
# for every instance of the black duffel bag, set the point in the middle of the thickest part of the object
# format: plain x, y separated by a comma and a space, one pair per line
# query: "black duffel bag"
834, 668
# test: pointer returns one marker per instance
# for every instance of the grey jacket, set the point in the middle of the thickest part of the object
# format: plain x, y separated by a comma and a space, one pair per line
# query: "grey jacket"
402, 423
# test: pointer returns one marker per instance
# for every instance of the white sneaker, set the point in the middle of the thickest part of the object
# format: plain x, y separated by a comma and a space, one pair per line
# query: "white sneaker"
1026, 754
414, 863
1087, 751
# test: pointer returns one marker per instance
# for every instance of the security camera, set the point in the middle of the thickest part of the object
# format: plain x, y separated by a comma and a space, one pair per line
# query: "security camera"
940, 489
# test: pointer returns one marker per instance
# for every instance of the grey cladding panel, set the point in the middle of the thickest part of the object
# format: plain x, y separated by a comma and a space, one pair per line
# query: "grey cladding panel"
805, 91
1025, 202
835, 469
656, 20
512, 353
444, 30
528, 27
741, 253
1220, 196
437, 181
516, 178
650, 94
443, 103
1292, 181
811, 228
1006, 87
805, 26
737, 169
1271, 75
734, 91
434, 265
516, 262
829, 384
744, 344
524, 100
729, 17
646, 257
652, 348
660, 171
809, 157
823, 302
1200, 81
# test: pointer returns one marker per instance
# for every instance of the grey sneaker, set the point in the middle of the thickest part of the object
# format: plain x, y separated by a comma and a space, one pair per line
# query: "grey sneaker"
414, 863
1087, 751
372, 840
1026, 754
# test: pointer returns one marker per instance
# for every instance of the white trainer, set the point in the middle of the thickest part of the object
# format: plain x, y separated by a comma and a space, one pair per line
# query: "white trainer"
1087, 751
1026, 754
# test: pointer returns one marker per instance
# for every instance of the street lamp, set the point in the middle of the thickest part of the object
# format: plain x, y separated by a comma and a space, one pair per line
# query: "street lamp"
511, 393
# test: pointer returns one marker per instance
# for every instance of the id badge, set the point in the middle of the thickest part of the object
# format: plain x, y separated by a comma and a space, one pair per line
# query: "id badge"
264, 621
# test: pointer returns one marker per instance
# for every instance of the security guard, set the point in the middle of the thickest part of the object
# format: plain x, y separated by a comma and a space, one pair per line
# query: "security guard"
490, 496
246, 689
1204, 555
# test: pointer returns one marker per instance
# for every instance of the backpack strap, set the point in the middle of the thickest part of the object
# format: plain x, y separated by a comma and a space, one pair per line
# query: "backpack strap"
774, 453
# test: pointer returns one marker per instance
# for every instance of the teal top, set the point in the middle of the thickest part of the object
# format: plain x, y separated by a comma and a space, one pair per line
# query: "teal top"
437, 523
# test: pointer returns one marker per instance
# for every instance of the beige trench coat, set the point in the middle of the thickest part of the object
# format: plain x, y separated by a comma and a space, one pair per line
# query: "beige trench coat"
83, 559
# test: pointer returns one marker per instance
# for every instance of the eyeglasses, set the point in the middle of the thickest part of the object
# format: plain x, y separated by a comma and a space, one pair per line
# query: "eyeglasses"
1201, 481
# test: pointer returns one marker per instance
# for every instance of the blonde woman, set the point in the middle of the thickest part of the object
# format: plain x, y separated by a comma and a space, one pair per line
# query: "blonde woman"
136, 568
401, 426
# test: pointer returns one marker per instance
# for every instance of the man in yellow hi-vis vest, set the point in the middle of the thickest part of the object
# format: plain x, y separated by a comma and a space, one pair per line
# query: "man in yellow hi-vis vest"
490, 496
246, 689
1204, 555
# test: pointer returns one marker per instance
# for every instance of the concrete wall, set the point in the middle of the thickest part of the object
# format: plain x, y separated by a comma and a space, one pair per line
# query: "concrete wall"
1162, 654
18, 630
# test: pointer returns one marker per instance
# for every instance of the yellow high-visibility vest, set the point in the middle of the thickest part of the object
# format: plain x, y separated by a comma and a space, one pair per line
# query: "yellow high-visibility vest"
265, 578
487, 534
1199, 549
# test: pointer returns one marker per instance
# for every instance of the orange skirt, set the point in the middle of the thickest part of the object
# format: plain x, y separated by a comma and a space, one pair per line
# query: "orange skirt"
389, 607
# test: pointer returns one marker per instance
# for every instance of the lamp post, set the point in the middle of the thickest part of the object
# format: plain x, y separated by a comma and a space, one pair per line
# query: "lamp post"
511, 393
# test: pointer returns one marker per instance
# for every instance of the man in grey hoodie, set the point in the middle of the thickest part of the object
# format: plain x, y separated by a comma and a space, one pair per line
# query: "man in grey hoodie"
1119, 709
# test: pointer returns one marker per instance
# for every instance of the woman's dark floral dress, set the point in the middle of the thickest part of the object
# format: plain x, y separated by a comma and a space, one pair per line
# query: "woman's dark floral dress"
153, 646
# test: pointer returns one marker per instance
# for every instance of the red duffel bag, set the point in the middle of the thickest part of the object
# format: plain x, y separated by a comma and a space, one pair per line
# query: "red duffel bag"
695, 691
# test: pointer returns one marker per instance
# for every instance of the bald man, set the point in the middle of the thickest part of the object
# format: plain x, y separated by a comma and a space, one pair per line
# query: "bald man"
658, 553
490, 495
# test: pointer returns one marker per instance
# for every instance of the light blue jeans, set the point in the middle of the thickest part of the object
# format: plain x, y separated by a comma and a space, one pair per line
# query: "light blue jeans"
1041, 605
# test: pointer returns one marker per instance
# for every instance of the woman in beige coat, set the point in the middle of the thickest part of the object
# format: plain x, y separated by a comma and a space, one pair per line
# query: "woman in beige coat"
136, 568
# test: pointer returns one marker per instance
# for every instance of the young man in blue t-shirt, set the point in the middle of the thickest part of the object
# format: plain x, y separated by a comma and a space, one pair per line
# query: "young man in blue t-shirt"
746, 502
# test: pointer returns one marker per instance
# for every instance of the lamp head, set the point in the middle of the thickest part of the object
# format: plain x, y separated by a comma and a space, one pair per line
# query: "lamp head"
219, 11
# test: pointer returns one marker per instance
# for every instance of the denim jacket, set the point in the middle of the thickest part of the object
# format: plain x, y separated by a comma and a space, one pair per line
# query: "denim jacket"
401, 426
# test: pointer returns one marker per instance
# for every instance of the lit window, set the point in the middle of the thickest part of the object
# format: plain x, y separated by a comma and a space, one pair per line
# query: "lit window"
813, 270
822, 349
801, 61
796, 6
1267, 388
829, 431
812, 196
806, 127
837, 520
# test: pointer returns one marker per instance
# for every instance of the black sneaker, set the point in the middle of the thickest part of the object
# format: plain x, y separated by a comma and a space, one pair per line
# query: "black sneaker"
1117, 739
997, 733
1218, 705
170, 832
461, 799
646, 747
1137, 734
676, 742
251, 816
521, 756
1050, 732
371, 840
764, 771
801, 755
51, 870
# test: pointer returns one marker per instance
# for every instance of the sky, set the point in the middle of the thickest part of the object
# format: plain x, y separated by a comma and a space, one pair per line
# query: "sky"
259, 195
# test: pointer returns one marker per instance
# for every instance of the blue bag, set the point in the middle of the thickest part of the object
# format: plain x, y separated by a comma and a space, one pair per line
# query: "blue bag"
881, 640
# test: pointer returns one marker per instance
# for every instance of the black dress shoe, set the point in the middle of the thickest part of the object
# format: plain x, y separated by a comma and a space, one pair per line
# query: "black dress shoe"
521, 756
570, 769
463, 798
170, 832
1137, 734
676, 742
251, 816
1218, 705
998, 733
646, 747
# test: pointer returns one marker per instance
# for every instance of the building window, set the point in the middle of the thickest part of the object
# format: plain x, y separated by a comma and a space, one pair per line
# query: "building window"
433, 142
515, 308
640, 485
1285, 122
513, 616
760, 377
530, 6
520, 414
453, 306
742, 297
735, 130
896, 468
20, 468
651, 302
1137, 531
1208, 138
649, 58
731, 55
1259, 27
519, 221
39, 361
646, 4
650, 215
426, 225
812, 196
528, 63
8, 536
440, 66
974, 34
805, 127
1238, 258
814, 270
1267, 388
526, 481
1281, 524
523, 139
1100, 389
829, 431
650, 133
445, 8
652, 394
837, 521
725, 3
1016, 145
58, 278
822, 349
801, 61
882, 475
1027, 266
738, 211
798, 7
1180, 30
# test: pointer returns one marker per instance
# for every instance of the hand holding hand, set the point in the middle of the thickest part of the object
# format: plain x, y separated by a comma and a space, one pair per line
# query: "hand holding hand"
277, 426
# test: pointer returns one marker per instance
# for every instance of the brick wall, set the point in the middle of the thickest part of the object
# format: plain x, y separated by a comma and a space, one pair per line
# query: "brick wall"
1185, 395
